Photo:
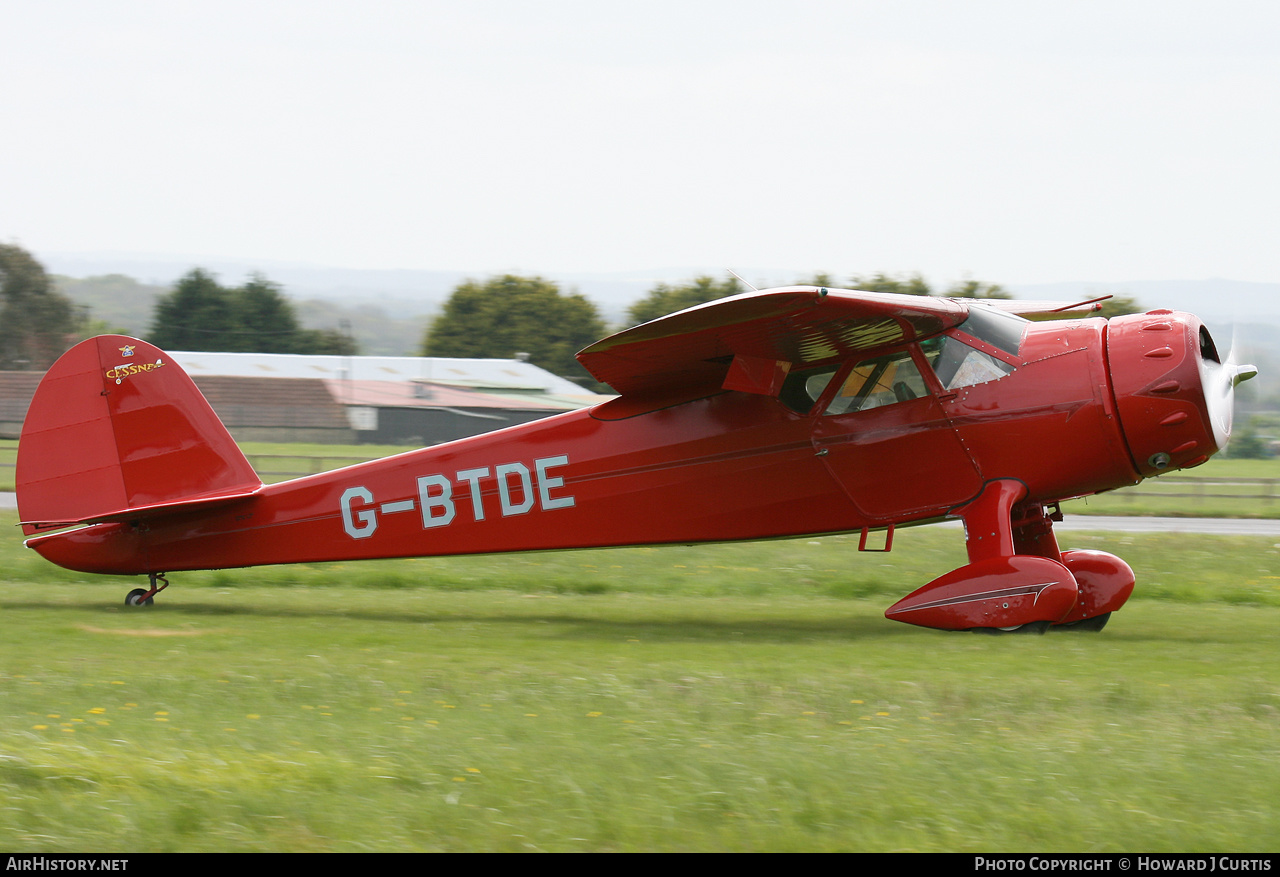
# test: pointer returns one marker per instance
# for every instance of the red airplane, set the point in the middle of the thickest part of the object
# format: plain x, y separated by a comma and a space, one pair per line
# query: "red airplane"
787, 412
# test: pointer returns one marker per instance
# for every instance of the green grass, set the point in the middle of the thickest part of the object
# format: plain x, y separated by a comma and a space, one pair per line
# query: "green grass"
728, 697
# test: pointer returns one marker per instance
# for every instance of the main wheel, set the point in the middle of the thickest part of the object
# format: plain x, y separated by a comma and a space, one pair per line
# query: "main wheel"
1035, 628
135, 598
1093, 625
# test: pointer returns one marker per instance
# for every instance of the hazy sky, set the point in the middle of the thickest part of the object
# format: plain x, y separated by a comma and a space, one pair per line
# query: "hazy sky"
1009, 141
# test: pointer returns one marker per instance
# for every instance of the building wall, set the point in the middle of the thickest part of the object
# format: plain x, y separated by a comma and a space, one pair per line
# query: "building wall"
433, 426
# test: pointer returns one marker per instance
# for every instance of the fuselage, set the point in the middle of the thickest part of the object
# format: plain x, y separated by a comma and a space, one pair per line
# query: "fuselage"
898, 436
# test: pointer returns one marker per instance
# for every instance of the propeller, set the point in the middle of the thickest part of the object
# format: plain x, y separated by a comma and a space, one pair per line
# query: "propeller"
1220, 380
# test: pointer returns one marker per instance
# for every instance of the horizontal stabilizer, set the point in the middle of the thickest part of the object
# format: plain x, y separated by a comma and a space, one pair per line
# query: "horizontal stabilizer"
141, 512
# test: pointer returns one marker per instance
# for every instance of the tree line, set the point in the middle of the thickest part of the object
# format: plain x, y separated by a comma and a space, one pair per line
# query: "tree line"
256, 317
38, 323
501, 317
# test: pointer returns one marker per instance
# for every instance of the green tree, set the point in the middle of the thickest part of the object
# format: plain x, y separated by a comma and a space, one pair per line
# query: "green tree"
822, 278
913, 285
507, 315
265, 318
1248, 443
201, 314
197, 315
977, 289
37, 323
664, 299
1119, 305
325, 341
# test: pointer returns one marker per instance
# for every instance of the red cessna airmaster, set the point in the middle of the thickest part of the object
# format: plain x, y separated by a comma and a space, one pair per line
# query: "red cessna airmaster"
785, 412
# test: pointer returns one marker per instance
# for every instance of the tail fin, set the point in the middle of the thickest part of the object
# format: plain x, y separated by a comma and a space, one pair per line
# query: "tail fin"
117, 430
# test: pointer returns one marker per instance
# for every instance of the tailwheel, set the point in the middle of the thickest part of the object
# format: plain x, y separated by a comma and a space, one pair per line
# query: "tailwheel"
145, 597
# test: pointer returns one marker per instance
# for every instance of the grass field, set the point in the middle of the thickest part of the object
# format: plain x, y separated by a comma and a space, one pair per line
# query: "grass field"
724, 697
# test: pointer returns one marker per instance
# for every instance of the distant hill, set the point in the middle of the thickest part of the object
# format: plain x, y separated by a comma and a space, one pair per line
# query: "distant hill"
400, 293
119, 303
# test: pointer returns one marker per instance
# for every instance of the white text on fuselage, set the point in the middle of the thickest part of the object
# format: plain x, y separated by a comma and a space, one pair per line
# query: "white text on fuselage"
519, 490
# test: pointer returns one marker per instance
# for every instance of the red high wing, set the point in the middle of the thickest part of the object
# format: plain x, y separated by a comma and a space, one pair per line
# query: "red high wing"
796, 325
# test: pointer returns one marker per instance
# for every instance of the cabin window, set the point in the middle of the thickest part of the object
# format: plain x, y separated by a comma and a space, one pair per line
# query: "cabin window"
958, 365
874, 383
800, 390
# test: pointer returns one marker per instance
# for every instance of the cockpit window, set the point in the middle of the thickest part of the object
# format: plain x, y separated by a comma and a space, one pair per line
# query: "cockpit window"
958, 365
875, 383
1000, 329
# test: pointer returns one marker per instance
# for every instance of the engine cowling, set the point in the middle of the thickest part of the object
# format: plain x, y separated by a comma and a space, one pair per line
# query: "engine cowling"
1173, 391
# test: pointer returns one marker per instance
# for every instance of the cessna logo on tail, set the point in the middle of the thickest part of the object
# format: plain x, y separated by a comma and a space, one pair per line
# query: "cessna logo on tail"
519, 489
120, 372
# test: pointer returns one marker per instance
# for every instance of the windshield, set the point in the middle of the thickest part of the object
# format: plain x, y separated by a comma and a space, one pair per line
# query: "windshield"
958, 365
998, 328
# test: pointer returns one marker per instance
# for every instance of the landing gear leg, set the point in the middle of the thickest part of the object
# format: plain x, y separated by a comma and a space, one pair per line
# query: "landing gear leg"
1001, 588
144, 597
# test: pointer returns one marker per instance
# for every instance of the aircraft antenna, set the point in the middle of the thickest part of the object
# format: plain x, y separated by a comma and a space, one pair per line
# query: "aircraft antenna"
1078, 305
740, 280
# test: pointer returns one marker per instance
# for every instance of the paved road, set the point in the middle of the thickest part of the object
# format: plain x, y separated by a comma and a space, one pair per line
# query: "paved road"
1123, 524
1211, 526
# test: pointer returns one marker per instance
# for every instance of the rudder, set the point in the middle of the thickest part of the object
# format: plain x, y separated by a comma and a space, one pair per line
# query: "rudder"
117, 429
